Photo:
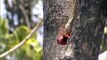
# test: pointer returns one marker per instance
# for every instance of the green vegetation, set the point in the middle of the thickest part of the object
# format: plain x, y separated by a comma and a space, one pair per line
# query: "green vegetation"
31, 50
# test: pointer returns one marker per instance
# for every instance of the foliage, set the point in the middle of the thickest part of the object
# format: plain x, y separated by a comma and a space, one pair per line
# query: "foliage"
29, 51
16, 12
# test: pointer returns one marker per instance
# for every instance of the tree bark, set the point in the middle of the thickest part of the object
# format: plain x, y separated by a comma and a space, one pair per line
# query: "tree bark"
87, 30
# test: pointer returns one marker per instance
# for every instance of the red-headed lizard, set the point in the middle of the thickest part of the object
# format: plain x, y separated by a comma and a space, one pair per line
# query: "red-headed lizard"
66, 33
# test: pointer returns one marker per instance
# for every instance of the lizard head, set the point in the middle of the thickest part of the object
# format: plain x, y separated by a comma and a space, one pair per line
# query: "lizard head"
62, 39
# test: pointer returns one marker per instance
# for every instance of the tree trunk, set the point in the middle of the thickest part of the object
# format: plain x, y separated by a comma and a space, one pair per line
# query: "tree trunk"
87, 30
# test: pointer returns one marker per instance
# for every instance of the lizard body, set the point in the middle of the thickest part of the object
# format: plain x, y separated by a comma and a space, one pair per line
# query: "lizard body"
62, 39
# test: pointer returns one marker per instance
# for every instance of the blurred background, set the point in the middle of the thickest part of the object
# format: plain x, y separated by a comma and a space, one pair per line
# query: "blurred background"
17, 19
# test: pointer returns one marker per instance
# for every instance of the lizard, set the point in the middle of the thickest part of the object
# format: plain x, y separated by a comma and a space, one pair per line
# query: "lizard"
66, 33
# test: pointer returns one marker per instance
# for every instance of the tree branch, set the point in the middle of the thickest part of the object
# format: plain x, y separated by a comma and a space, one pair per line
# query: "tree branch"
25, 15
23, 41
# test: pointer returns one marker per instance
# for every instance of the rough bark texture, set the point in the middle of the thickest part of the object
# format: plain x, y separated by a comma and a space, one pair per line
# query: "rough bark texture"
56, 14
86, 33
88, 29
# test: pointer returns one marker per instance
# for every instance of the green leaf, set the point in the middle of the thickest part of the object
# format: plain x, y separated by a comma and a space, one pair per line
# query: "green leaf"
32, 46
35, 44
21, 32
3, 27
